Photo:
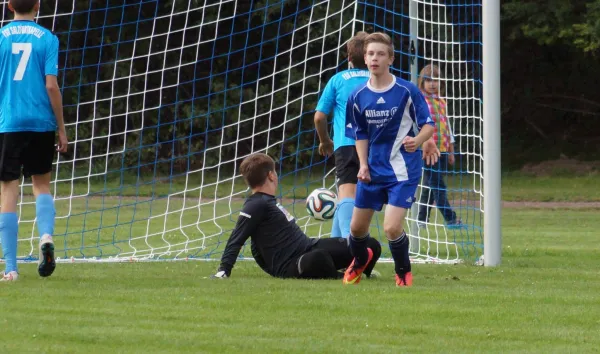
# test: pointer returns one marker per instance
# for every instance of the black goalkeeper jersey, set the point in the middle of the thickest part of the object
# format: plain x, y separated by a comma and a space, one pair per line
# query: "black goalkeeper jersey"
276, 239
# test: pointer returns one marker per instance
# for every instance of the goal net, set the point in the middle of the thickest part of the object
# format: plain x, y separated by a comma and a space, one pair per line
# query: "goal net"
164, 99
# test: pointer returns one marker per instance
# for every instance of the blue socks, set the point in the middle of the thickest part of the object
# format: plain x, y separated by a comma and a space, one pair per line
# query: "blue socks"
341, 221
9, 227
399, 249
345, 209
358, 248
335, 226
45, 212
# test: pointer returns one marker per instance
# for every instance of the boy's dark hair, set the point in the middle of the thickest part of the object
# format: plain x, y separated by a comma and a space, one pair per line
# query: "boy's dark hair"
23, 6
255, 169
356, 54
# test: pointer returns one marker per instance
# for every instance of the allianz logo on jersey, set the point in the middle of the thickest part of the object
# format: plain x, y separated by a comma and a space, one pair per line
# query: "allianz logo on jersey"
376, 113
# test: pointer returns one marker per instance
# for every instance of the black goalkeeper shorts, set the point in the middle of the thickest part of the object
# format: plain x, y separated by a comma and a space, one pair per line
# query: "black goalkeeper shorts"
31, 153
346, 165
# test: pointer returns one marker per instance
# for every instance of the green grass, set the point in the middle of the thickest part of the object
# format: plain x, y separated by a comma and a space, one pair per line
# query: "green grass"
516, 186
543, 298
521, 187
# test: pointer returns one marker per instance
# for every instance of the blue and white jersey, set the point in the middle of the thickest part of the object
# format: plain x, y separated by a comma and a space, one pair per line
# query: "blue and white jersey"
385, 117
335, 96
28, 52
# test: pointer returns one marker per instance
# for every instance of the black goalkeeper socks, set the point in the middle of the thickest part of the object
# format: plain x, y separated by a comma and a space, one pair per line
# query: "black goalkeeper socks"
399, 249
358, 248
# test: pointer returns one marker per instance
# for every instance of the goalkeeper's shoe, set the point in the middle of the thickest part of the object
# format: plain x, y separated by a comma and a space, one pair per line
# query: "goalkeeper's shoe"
46, 263
353, 274
10, 276
404, 280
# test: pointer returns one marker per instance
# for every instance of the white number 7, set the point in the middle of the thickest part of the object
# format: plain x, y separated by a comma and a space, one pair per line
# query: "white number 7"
26, 49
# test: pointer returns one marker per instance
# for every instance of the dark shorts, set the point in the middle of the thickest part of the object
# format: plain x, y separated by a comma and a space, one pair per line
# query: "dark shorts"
29, 153
346, 165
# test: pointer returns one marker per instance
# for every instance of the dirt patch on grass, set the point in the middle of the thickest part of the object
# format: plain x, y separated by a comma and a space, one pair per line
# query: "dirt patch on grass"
562, 166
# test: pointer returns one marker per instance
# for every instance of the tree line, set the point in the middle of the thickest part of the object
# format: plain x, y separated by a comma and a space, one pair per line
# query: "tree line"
158, 86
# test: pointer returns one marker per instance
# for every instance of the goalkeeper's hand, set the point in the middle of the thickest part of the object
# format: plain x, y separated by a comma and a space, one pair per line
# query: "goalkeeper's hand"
219, 275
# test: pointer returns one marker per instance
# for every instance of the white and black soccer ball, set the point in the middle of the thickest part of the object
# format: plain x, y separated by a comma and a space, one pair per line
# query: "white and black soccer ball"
321, 204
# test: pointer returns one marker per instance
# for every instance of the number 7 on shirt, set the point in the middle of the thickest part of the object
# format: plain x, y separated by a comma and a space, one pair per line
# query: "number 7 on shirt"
17, 48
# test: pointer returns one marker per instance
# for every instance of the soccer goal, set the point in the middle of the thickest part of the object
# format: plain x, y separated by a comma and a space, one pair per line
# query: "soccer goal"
164, 99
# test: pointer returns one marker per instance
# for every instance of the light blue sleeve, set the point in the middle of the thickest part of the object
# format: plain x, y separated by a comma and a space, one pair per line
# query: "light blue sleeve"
51, 65
327, 100
356, 124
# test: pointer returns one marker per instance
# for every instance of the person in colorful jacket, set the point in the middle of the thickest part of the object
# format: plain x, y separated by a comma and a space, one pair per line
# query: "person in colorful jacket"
432, 88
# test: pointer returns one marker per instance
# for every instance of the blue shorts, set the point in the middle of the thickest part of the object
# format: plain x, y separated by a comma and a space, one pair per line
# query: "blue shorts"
375, 195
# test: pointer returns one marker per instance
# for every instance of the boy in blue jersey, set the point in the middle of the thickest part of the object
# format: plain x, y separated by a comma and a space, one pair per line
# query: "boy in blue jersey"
30, 113
334, 99
389, 119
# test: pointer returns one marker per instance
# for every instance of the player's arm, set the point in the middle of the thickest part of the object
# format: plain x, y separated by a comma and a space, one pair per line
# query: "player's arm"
422, 116
248, 220
53, 90
57, 107
324, 108
357, 129
419, 112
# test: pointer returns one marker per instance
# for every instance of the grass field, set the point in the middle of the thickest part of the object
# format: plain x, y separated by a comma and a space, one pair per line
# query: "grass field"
543, 298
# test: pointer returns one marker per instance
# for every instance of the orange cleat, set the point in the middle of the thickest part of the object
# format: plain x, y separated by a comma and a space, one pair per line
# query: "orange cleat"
406, 280
353, 274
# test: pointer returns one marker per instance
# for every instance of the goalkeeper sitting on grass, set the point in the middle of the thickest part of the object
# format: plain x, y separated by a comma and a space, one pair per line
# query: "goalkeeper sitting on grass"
278, 245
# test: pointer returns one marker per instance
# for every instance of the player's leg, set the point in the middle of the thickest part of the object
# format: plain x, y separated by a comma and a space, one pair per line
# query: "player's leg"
426, 199
401, 197
374, 246
346, 166
398, 242
38, 164
339, 251
369, 198
439, 189
336, 232
314, 264
9, 227
10, 173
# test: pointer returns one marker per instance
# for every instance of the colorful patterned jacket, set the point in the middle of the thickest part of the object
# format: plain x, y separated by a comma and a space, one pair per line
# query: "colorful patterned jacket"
442, 135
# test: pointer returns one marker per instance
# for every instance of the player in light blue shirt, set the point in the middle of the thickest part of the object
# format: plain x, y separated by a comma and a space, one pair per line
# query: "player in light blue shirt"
334, 98
30, 114
390, 120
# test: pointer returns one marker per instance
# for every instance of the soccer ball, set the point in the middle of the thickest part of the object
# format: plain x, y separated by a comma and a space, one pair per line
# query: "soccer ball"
321, 204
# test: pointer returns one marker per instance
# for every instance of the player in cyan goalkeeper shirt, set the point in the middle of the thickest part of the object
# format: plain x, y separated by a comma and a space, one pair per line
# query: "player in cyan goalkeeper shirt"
389, 119
30, 113
278, 245
334, 98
